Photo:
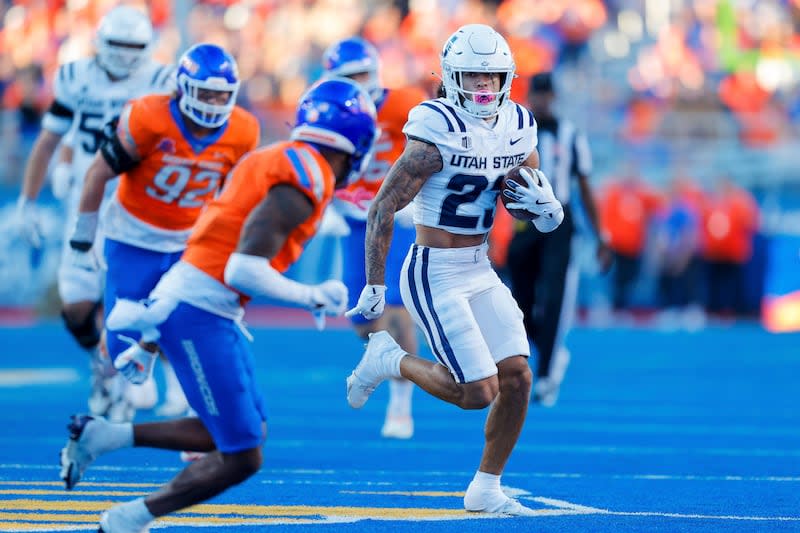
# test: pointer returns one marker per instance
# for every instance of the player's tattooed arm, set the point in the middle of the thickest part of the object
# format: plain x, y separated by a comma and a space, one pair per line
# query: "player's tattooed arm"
272, 220
416, 164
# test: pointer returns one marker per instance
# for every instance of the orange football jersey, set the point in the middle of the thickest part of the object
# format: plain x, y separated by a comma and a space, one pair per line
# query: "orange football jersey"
216, 235
177, 173
392, 116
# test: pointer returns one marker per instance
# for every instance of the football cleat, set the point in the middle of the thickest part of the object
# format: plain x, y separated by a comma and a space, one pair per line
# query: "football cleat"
77, 455
371, 370
398, 427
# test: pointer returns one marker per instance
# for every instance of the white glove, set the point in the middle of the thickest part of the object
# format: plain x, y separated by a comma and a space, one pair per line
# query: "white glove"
329, 297
535, 198
28, 221
135, 363
370, 303
61, 179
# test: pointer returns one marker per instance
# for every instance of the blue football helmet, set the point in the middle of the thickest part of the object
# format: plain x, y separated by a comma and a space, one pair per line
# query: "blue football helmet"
354, 56
207, 67
339, 114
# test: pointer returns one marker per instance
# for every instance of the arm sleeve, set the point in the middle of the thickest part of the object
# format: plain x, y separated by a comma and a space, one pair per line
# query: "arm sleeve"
61, 113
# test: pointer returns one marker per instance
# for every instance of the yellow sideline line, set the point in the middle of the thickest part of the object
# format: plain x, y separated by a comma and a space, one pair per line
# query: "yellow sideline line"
244, 510
83, 484
62, 492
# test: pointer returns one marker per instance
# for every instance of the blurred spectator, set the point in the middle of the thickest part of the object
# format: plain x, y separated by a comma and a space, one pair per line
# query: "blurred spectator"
24, 102
677, 247
729, 225
627, 206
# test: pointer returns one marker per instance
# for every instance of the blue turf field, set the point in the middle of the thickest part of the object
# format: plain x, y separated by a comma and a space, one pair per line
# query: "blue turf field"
653, 432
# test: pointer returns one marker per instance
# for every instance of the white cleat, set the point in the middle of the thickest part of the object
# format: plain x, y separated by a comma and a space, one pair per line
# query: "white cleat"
79, 452
545, 392
512, 507
494, 502
398, 427
110, 522
371, 370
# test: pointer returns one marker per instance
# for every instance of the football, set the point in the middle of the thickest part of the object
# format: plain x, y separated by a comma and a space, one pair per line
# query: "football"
513, 174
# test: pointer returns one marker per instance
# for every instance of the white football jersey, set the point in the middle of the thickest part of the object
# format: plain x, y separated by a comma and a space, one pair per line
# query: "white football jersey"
462, 197
86, 99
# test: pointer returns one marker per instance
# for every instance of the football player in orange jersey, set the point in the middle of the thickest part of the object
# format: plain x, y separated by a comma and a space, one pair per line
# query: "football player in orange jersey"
172, 153
358, 60
271, 205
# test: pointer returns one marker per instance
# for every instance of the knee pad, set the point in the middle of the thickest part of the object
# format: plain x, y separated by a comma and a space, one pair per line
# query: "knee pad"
85, 332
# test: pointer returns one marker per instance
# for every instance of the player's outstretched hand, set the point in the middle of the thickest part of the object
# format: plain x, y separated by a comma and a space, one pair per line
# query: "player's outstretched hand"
370, 303
28, 222
329, 296
135, 363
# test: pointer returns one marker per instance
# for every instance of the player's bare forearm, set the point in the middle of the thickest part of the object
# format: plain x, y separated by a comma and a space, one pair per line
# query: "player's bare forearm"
417, 163
94, 184
36, 169
533, 160
271, 221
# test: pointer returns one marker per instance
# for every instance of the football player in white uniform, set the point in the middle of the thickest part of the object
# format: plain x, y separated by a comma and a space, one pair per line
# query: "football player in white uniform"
88, 93
459, 149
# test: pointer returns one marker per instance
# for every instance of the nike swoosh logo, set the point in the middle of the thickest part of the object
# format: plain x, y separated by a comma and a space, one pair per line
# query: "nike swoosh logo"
372, 309
515, 141
541, 203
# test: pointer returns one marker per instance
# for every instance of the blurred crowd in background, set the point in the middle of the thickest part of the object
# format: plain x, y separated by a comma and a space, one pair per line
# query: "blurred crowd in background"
690, 106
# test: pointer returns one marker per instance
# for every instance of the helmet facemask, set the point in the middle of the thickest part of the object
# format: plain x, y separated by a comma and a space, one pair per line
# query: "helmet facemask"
204, 71
201, 112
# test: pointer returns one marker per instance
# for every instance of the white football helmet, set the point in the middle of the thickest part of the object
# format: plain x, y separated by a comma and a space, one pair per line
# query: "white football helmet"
476, 48
123, 41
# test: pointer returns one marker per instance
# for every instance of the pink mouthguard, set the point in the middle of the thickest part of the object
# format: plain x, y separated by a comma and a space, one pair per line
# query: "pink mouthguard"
484, 97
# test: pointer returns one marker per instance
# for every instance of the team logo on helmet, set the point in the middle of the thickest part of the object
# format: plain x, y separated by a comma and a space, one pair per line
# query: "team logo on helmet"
189, 65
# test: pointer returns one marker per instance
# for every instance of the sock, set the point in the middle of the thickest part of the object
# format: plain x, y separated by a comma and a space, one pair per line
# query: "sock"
131, 517
107, 436
392, 361
485, 481
484, 493
400, 397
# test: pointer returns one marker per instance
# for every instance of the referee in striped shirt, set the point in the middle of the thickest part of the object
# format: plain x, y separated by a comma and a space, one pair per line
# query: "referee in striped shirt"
544, 278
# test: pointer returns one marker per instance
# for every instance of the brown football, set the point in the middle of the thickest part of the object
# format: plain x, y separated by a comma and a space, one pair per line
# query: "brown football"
513, 174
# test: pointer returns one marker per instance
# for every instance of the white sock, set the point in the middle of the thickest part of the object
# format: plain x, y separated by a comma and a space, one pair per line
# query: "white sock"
131, 516
107, 436
393, 362
484, 493
400, 397
486, 481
